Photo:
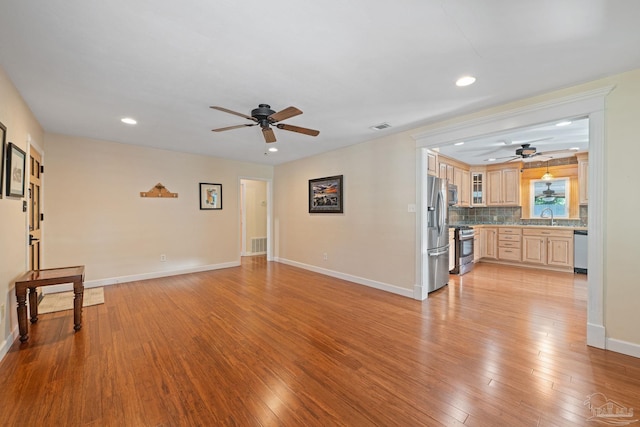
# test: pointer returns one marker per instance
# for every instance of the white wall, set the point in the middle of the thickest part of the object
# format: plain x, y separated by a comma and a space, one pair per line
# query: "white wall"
21, 126
95, 216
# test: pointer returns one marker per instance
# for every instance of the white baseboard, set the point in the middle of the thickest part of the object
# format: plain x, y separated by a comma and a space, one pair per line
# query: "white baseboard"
355, 279
135, 277
8, 342
624, 347
596, 335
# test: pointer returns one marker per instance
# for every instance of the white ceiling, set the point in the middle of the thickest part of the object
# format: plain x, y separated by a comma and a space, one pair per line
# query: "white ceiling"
562, 138
349, 65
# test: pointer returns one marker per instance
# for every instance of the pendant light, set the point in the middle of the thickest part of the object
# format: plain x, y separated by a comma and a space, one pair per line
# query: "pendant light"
547, 176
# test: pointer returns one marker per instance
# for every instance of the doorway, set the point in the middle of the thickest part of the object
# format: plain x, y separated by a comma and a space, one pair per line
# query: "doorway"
254, 214
588, 104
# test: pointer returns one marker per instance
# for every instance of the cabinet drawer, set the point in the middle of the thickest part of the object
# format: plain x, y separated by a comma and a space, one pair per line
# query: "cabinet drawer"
509, 244
509, 237
509, 254
510, 230
546, 232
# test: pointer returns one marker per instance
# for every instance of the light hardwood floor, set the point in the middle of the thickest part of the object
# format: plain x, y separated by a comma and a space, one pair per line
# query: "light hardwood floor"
268, 344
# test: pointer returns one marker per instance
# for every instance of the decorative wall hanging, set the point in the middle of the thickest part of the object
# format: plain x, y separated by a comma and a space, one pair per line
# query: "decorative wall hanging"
16, 159
210, 196
325, 195
3, 137
158, 191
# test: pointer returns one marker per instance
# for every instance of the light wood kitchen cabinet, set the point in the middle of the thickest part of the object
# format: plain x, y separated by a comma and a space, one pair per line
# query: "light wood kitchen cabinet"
432, 163
452, 250
464, 188
546, 246
478, 191
509, 243
503, 187
490, 237
478, 245
583, 177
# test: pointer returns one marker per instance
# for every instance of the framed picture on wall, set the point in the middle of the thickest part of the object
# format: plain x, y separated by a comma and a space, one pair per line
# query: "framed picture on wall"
325, 195
16, 161
3, 139
210, 196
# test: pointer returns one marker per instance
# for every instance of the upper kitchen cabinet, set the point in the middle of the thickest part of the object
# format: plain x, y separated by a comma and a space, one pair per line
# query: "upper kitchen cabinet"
432, 163
457, 173
583, 177
478, 186
503, 185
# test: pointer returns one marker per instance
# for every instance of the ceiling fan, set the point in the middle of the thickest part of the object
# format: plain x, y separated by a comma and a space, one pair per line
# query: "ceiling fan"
264, 116
526, 151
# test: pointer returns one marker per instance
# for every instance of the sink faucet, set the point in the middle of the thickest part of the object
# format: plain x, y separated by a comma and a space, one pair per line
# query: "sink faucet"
544, 211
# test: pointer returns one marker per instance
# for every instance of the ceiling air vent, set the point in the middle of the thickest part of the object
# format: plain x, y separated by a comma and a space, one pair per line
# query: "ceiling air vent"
381, 126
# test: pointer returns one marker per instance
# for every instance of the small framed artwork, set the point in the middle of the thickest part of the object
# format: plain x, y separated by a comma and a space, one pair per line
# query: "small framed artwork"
3, 139
16, 160
325, 195
210, 196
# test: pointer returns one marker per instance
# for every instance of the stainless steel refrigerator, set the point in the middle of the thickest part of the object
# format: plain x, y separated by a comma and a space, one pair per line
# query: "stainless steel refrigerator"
437, 231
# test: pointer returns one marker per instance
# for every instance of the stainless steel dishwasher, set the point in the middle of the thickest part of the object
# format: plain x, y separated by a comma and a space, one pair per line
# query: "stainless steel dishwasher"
580, 245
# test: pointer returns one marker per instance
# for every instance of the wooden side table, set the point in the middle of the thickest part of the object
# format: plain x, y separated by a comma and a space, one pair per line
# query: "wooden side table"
52, 276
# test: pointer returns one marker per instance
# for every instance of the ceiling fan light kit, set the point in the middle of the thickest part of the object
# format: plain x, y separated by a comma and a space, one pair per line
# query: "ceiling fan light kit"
265, 117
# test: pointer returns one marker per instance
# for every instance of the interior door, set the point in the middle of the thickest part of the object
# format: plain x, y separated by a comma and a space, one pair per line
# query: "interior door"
35, 211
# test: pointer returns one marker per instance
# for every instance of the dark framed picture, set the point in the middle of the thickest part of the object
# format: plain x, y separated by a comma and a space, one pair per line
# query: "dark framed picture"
3, 140
325, 195
16, 161
210, 196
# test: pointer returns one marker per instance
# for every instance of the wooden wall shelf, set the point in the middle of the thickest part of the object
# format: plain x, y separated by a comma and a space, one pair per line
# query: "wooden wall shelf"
158, 190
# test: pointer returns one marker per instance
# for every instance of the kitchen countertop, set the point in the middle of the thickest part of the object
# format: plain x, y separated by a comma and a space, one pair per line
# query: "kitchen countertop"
559, 227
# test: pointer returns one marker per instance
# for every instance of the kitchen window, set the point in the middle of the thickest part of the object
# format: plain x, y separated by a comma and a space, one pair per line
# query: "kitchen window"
550, 194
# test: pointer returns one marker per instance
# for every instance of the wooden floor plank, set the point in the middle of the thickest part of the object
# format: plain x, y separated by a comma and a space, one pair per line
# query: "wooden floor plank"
268, 344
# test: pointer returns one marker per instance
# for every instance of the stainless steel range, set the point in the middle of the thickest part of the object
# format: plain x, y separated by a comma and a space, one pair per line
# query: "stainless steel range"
463, 249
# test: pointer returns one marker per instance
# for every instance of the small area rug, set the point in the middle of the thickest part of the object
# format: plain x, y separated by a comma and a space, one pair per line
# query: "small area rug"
64, 300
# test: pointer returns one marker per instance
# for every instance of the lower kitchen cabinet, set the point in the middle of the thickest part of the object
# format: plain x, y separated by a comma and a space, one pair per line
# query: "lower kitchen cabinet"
548, 247
490, 237
509, 239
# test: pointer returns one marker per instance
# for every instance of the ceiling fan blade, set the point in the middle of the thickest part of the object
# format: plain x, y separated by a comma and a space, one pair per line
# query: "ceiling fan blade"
268, 134
232, 127
284, 114
310, 132
226, 110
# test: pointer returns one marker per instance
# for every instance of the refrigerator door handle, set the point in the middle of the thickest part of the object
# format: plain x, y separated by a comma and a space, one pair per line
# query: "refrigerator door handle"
441, 252
441, 216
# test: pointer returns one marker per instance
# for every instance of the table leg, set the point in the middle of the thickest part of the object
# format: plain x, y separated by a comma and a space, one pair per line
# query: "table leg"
78, 290
33, 304
23, 327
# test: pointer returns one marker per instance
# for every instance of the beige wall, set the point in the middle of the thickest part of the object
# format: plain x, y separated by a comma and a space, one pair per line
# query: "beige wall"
375, 237
94, 214
255, 210
21, 126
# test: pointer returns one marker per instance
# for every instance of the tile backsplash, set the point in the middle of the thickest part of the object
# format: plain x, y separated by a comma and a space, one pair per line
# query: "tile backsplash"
508, 215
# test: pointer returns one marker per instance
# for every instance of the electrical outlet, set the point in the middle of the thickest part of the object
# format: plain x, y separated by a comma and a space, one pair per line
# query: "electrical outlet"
163, 258
325, 256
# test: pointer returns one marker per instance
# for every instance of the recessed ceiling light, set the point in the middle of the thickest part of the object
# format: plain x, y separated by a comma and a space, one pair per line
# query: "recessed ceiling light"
459, 143
490, 160
465, 81
129, 121
574, 148
273, 149
564, 123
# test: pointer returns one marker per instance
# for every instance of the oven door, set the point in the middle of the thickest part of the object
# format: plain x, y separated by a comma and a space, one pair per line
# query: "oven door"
465, 248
